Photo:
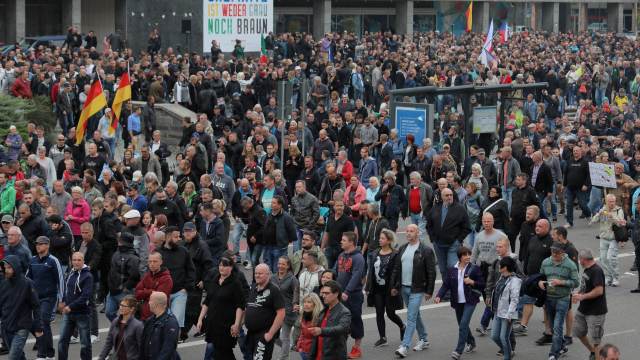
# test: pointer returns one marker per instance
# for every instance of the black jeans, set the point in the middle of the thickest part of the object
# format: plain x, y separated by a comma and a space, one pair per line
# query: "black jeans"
382, 304
258, 347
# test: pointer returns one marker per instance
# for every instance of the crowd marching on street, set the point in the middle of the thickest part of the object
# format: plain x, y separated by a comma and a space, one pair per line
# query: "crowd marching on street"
221, 238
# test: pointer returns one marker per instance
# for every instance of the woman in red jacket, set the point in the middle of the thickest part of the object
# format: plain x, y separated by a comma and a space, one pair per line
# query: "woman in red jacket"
311, 309
77, 212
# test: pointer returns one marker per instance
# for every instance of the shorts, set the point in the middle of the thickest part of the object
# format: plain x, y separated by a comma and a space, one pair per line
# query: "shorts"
589, 324
527, 300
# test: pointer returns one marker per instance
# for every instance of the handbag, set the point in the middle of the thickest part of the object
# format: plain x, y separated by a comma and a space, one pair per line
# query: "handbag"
620, 233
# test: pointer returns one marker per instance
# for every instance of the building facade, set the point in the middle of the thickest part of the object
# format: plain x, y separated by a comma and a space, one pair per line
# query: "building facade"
180, 21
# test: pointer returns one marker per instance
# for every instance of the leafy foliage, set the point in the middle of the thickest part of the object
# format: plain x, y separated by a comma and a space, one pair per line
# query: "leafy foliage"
18, 112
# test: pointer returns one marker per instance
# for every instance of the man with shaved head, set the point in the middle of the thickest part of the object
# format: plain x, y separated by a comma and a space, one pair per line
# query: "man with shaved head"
264, 315
161, 330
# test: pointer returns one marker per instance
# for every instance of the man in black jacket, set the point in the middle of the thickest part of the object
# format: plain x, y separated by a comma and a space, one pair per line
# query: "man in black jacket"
541, 180
178, 261
161, 331
279, 232
162, 205
61, 240
123, 276
522, 196
212, 232
106, 227
577, 183
201, 257
411, 288
392, 200
448, 225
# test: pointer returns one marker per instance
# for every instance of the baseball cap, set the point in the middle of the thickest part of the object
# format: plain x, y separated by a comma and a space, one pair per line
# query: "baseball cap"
132, 214
556, 246
7, 218
189, 226
42, 240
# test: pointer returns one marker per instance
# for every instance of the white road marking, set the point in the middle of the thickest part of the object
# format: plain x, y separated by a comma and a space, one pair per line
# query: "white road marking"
621, 332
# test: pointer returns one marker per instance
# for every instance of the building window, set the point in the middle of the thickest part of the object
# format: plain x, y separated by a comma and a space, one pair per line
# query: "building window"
294, 23
424, 23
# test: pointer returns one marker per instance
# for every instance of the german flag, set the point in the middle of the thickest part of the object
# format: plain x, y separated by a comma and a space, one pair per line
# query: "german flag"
95, 102
123, 94
468, 15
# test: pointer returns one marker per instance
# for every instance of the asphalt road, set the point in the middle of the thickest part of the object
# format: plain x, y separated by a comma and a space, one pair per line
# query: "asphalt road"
621, 327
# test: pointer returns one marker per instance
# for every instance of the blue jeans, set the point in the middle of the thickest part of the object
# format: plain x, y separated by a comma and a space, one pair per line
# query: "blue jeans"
69, 322
470, 239
506, 195
595, 199
45, 342
179, 306
255, 254
582, 201
304, 356
331, 254
447, 256
418, 219
239, 229
112, 305
272, 254
464, 312
500, 333
15, 341
414, 321
486, 317
556, 313
600, 93
542, 197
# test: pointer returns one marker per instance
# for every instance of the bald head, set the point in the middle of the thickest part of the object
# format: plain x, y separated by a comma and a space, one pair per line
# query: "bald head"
542, 227
158, 303
447, 196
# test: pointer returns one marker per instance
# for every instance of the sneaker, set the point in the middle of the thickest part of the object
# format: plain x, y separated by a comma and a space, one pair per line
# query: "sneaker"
455, 355
469, 348
248, 266
615, 283
198, 334
355, 353
634, 291
555, 219
520, 330
381, 342
563, 351
546, 339
553, 357
568, 226
568, 340
482, 330
633, 268
74, 340
402, 351
608, 282
421, 345
4, 350
94, 339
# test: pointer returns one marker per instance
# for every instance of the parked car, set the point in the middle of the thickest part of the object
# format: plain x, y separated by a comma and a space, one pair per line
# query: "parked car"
34, 42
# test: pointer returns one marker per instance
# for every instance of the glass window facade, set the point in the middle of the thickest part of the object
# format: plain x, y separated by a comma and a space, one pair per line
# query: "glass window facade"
358, 24
424, 23
294, 23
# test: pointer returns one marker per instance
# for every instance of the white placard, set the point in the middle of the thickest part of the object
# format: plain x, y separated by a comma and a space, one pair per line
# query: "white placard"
602, 175
229, 20
484, 119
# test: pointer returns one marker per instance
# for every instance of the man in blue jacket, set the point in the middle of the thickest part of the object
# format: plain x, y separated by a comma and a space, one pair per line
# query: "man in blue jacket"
19, 307
160, 335
47, 276
75, 308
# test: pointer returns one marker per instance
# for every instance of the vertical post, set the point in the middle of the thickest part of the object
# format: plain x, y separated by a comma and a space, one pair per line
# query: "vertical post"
501, 119
20, 19
468, 125
281, 115
303, 112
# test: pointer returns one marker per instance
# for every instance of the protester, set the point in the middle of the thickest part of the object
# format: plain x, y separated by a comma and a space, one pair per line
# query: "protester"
504, 301
125, 332
333, 328
161, 331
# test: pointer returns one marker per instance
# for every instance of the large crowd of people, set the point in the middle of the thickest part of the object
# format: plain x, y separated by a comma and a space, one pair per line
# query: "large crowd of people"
155, 235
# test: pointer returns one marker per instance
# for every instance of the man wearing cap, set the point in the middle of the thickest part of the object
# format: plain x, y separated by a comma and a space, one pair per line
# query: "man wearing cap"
591, 313
136, 200
124, 274
140, 237
48, 280
61, 240
203, 264
562, 277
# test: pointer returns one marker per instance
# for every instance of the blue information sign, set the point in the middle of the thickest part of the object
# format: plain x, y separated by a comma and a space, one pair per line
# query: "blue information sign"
412, 120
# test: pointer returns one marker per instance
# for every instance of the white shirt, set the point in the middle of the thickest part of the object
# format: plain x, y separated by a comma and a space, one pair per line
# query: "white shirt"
461, 298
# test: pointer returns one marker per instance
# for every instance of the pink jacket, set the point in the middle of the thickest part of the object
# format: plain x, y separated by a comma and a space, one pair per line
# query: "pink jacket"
81, 214
361, 194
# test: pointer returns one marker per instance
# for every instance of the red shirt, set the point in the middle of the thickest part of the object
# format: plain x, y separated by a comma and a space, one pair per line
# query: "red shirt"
323, 325
414, 201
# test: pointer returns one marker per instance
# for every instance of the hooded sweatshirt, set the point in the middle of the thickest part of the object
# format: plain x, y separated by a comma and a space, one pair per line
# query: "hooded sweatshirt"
19, 305
351, 271
78, 289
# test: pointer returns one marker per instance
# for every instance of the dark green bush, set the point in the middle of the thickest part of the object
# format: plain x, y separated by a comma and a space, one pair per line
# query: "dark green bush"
18, 112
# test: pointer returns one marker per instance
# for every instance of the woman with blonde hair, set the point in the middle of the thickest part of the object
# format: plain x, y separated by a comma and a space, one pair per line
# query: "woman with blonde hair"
309, 318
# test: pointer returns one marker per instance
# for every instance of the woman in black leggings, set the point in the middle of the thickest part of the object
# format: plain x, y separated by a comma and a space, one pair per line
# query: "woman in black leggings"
378, 291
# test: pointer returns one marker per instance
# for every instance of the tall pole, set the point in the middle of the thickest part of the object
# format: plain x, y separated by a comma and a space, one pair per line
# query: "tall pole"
281, 117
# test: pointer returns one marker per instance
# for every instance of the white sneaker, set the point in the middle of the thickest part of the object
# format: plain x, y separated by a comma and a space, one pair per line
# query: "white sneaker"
248, 266
74, 340
402, 351
94, 339
421, 345
615, 283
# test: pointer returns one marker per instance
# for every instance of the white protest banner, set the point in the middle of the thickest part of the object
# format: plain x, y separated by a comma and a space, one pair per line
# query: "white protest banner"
602, 175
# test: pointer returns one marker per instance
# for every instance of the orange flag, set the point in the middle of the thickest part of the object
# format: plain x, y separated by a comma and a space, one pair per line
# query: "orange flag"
95, 102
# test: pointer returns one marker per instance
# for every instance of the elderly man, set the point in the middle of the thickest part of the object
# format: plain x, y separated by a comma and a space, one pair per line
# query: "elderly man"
419, 196
448, 225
